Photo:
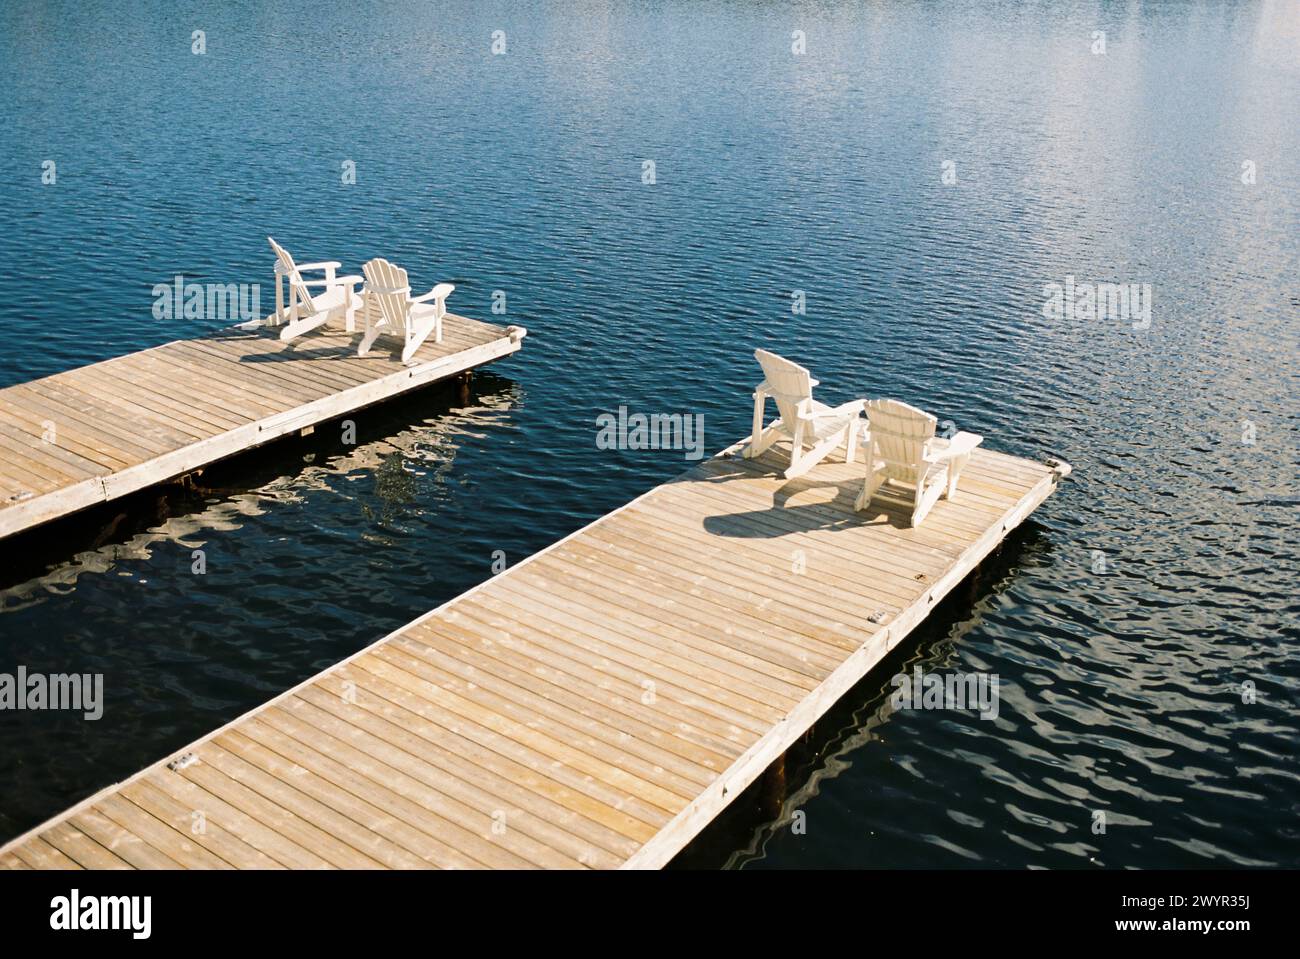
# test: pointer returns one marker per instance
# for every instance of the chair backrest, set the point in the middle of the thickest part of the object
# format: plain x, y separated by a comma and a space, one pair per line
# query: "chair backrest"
790, 384
295, 278
387, 287
900, 436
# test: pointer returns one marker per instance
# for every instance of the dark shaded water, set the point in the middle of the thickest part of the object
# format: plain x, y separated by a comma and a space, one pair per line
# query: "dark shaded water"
1120, 679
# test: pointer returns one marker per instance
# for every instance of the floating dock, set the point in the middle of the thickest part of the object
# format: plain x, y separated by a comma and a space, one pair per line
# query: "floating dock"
96, 433
595, 706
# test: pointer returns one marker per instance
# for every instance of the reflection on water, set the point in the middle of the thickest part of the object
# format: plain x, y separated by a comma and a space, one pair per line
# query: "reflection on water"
393, 470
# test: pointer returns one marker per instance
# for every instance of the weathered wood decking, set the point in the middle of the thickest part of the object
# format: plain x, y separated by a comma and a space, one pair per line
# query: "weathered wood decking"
594, 706
98, 432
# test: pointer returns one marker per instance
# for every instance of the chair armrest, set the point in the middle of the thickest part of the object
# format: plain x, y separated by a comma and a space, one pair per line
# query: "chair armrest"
439, 292
960, 445
853, 406
337, 281
387, 290
323, 265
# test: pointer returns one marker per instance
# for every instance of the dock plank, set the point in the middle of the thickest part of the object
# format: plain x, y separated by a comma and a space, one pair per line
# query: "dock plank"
39, 854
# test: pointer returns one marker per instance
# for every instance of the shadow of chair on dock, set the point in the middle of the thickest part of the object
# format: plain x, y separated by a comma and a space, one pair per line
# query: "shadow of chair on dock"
783, 517
334, 348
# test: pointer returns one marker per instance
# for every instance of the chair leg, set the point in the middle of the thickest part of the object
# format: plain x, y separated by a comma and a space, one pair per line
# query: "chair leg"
367, 341
279, 299
954, 473
796, 457
926, 496
799, 461
869, 487
766, 437
756, 444
290, 328
410, 344
416, 337
851, 442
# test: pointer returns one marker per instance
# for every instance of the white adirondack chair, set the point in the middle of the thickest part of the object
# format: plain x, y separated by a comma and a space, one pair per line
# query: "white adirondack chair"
814, 428
308, 310
391, 309
904, 451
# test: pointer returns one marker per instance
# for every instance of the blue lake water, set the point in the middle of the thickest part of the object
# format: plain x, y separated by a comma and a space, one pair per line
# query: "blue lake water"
1123, 622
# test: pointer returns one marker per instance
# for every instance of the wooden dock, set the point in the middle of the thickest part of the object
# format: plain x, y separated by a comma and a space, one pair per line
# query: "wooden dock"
594, 706
96, 433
